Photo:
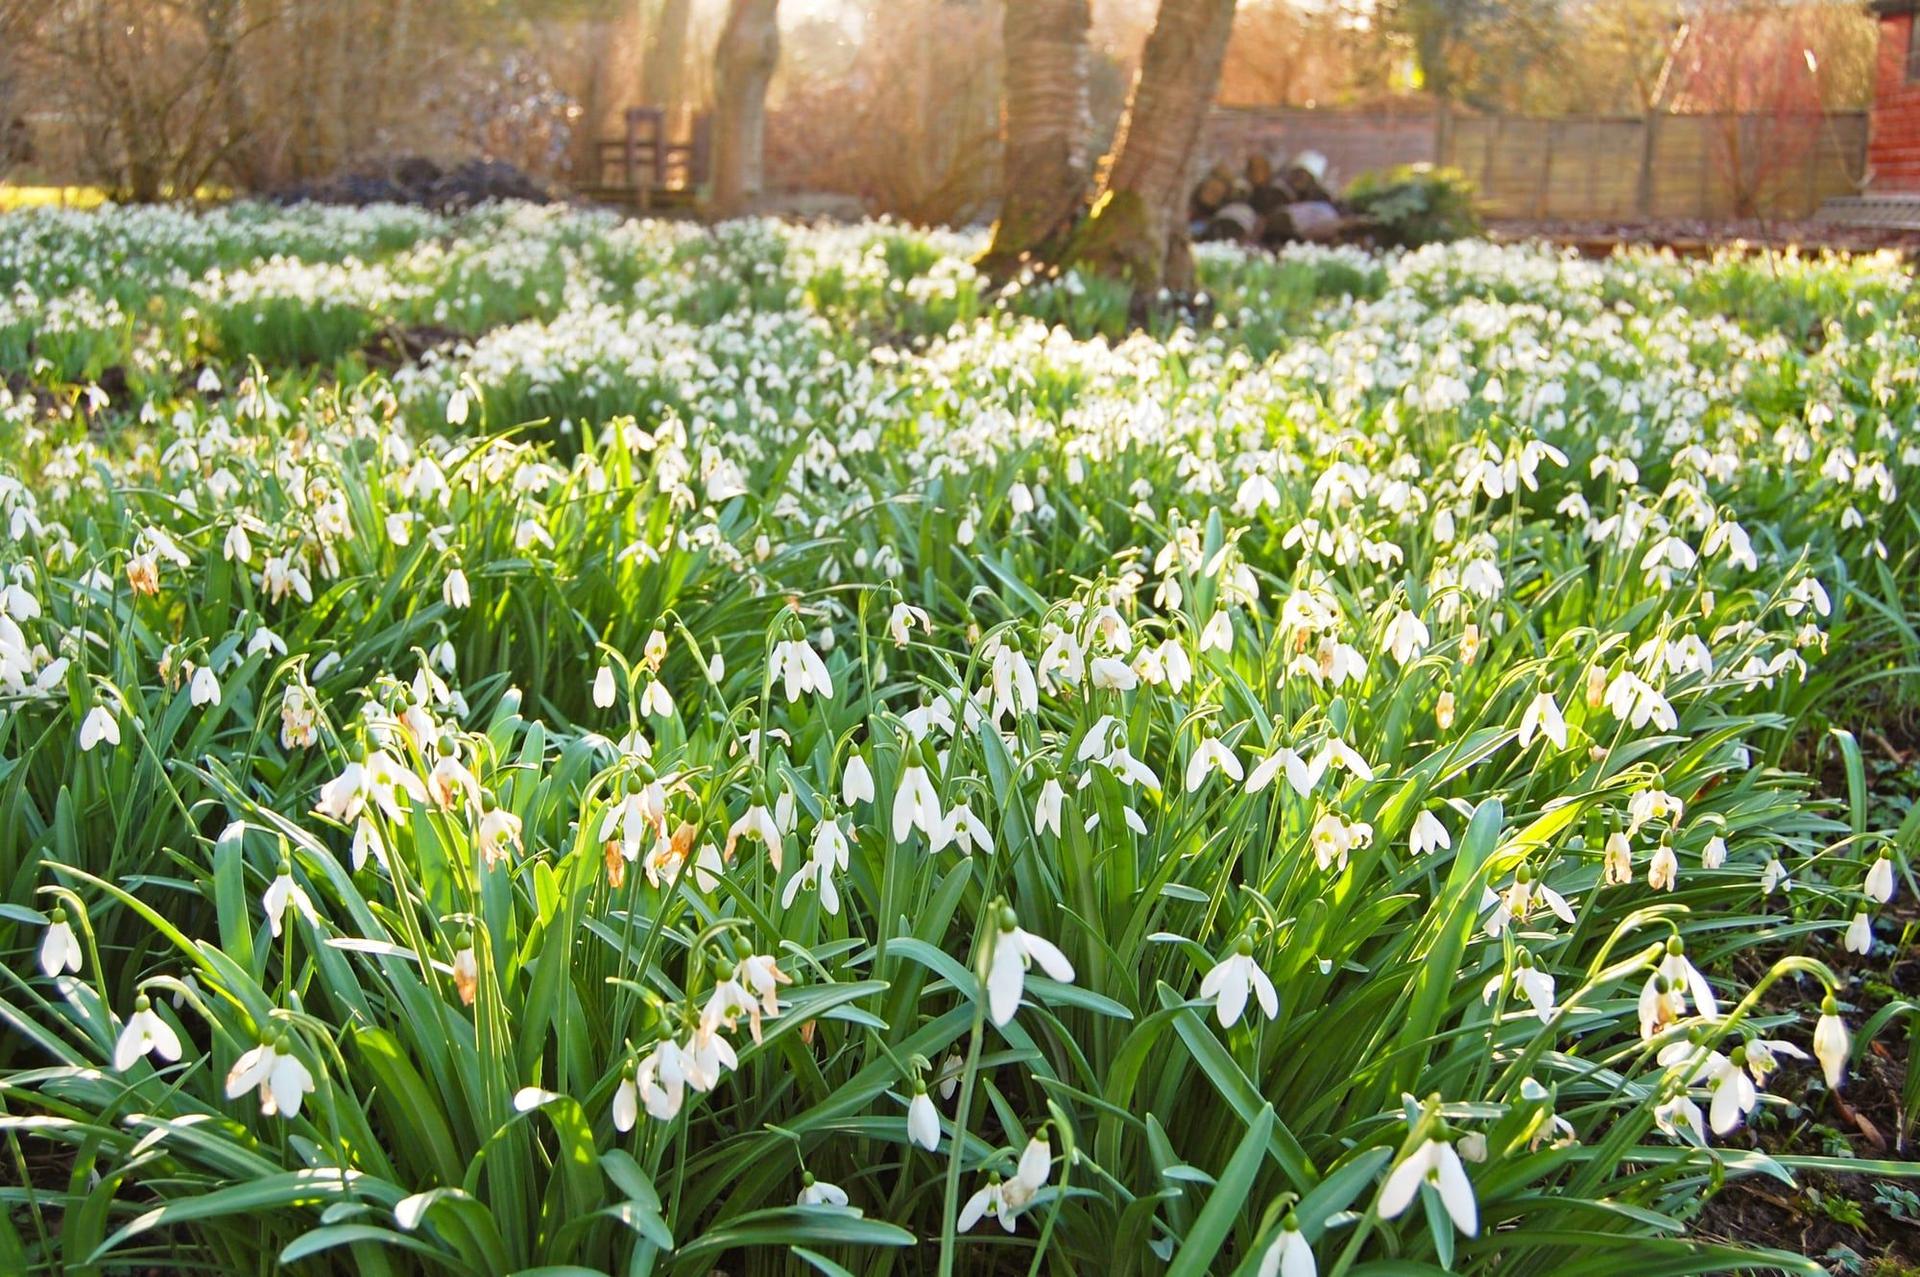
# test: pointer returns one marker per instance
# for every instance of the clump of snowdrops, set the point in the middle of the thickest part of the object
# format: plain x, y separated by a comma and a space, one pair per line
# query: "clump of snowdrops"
765, 753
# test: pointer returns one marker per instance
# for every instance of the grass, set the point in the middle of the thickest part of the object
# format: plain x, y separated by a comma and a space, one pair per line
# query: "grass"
608, 770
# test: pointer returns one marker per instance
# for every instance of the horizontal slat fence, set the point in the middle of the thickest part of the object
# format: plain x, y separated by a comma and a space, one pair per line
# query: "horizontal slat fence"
1581, 168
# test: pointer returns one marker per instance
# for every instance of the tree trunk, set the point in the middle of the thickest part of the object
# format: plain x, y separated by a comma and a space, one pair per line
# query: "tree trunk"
1137, 230
1045, 167
663, 72
743, 67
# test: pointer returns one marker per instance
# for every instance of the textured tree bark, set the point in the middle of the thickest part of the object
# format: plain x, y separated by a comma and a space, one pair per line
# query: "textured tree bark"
1137, 229
1045, 167
743, 67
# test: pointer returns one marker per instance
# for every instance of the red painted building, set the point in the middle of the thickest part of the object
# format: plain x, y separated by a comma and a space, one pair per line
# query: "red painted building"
1893, 145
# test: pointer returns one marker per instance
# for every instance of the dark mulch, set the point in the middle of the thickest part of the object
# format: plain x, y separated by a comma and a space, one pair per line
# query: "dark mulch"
415, 180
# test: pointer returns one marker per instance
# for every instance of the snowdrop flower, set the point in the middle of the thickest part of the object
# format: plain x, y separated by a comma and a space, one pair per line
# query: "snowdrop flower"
1683, 975
1406, 637
1714, 854
1831, 1043
203, 688
856, 782
276, 1073
455, 592
1428, 834
1680, 1118
757, 823
915, 804
1763, 1053
99, 725
923, 1120
1534, 983
1336, 755
1006, 1200
1014, 950
903, 618
654, 701
457, 408
1301, 774
144, 1033
1664, 869
830, 852
800, 670
1733, 1093
280, 893
1230, 980
466, 968
1774, 878
1859, 937
603, 687
1289, 1255
1617, 860
498, 834
661, 1079
1879, 884
626, 1104
815, 1192
1542, 718
1208, 755
1636, 703
1434, 1163
59, 948
1046, 808
1217, 636
1112, 674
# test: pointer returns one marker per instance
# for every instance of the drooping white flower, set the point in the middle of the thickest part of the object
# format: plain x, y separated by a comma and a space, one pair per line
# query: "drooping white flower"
903, 618
1289, 1255
455, 592
1542, 718
1208, 755
1428, 834
1831, 1042
1879, 884
1014, 950
59, 948
757, 823
856, 781
277, 1074
814, 1192
280, 893
1231, 979
1434, 1163
144, 1033
1046, 808
1859, 937
1733, 1094
915, 804
603, 687
99, 725
923, 1120
800, 670
204, 687
1406, 637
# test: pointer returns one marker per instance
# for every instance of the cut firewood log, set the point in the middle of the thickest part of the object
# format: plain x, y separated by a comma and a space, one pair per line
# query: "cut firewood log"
1236, 222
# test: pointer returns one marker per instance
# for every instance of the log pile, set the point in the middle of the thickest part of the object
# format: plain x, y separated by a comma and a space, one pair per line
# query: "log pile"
1264, 205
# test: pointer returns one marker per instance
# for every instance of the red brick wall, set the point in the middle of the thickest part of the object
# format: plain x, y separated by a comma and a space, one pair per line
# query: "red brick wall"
1893, 148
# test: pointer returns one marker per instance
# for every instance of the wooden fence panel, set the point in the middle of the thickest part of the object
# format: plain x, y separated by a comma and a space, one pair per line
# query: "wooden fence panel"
1582, 168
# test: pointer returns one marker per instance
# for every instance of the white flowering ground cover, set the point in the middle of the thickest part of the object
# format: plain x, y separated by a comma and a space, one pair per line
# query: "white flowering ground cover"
759, 751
